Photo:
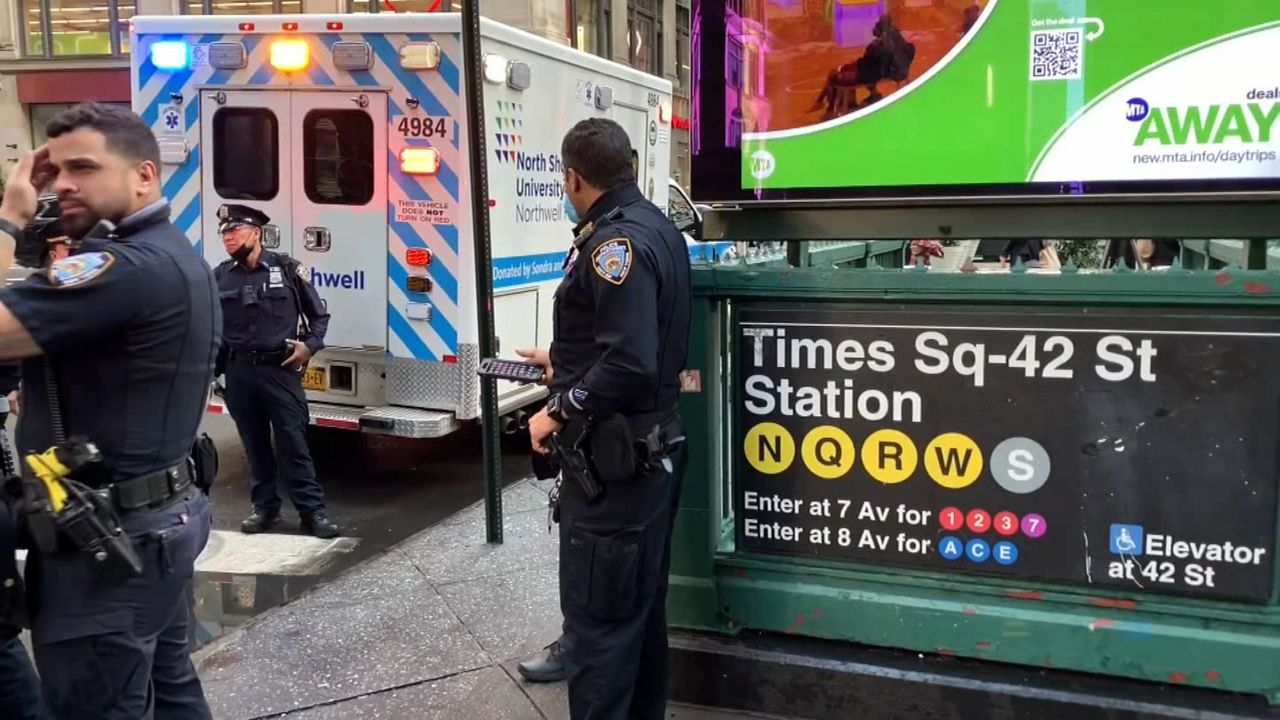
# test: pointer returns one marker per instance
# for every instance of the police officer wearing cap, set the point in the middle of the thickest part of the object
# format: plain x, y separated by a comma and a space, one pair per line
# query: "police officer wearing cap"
265, 296
621, 334
118, 342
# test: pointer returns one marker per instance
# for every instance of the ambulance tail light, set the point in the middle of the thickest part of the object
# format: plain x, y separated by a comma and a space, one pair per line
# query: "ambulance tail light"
417, 257
495, 68
290, 55
420, 161
333, 26
451, 359
170, 55
420, 56
289, 26
246, 27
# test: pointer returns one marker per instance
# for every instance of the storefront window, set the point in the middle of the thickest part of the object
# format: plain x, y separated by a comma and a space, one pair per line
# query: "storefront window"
586, 25
32, 15
644, 35
75, 28
682, 46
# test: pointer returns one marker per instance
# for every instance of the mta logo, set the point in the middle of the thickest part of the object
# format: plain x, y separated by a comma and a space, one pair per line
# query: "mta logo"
762, 164
1136, 110
1126, 539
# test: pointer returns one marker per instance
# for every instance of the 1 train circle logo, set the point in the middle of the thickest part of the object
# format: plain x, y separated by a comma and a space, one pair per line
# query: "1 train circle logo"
952, 460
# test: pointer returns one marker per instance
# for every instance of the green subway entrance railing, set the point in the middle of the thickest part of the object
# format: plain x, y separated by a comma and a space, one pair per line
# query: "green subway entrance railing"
1073, 470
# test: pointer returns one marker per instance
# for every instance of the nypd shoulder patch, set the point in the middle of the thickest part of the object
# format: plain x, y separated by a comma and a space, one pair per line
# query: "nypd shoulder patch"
612, 260
76, 270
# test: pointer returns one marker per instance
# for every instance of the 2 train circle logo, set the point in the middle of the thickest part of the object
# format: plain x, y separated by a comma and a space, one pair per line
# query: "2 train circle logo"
952, 460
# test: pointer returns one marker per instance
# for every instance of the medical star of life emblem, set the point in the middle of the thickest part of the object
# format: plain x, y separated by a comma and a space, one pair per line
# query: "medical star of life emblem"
171, 119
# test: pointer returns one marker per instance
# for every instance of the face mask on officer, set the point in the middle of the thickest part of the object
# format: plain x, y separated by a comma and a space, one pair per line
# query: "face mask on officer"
570, 211
240, 241
572, 185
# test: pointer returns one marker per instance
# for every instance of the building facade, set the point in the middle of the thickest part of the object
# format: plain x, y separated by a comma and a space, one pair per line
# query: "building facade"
54, 53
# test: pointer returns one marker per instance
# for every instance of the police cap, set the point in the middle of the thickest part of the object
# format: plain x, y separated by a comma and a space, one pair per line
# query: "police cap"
234, 216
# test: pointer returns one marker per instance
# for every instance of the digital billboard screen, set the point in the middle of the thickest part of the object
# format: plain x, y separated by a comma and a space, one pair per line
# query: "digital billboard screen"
812, 99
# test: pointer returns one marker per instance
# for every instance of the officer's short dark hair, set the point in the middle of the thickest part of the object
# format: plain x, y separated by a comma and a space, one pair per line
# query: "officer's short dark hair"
598, 149
125, 132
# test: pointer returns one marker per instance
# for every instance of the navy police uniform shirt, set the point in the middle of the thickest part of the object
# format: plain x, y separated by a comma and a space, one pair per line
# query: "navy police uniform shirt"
129, 325
621, 323
262, 305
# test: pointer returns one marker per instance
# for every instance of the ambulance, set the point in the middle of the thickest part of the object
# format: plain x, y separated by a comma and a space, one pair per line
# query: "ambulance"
351, 133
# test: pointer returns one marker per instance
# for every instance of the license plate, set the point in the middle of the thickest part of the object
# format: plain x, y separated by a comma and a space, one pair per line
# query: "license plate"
313, 379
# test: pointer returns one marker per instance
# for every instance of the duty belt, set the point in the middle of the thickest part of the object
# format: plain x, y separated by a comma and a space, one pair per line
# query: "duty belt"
257, 357
148, 491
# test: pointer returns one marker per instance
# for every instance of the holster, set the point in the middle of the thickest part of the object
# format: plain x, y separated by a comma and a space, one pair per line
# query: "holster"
613, 449
204, 463
567, 446
624, 445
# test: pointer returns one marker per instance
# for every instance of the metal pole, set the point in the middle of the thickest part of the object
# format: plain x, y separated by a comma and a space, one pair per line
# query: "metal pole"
484, 265
1257, 254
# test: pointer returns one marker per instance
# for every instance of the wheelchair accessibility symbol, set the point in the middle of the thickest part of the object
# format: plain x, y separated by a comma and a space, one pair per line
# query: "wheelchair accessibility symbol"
1126, 539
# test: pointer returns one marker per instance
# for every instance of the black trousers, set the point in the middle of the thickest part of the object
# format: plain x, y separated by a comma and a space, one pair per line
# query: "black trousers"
19, 686
615, 556
267, 401
112, 649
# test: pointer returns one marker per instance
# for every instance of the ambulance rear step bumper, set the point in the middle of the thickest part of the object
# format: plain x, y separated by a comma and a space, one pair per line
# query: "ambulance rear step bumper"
396, 421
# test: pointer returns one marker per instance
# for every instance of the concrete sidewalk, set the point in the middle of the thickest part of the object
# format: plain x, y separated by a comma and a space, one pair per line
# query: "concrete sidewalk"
431, 630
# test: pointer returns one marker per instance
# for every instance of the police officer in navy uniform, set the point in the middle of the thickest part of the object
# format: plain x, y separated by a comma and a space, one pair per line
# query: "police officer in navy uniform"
126, 329
621, 335
19, 686
265, 295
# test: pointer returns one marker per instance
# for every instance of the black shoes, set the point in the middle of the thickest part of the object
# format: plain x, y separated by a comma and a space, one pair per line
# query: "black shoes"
320, 526
259, 521
545, 669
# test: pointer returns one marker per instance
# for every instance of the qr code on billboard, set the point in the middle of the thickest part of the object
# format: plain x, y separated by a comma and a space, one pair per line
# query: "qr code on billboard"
1057, 54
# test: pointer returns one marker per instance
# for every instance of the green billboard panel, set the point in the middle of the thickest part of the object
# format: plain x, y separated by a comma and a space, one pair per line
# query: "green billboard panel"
870, 97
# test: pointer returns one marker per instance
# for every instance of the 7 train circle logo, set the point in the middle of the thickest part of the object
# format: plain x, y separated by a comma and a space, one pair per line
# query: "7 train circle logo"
979, 521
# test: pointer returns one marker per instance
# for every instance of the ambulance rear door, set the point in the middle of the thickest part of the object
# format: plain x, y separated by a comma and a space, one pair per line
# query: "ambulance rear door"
339, 168
247, 146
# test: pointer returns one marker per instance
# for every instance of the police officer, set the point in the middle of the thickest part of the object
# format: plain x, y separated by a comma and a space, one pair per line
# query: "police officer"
19, 686
264, 296
42, 242
621, 333
118, 343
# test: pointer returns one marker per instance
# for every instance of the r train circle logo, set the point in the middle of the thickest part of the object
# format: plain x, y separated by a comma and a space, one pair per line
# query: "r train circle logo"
1136, 110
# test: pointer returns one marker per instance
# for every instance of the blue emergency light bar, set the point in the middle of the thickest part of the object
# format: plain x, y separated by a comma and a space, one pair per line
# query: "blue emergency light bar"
170, 55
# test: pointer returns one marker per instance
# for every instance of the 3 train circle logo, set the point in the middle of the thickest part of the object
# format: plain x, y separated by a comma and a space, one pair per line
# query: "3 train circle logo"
952, 460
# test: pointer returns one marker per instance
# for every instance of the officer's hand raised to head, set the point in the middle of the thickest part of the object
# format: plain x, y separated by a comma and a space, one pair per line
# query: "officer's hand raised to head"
299, 357
23, 186
541, 357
